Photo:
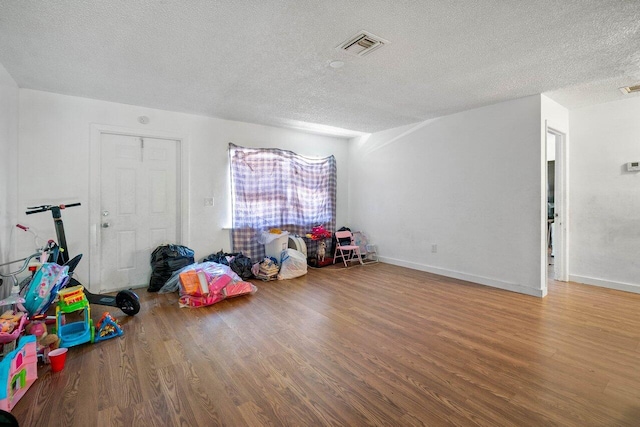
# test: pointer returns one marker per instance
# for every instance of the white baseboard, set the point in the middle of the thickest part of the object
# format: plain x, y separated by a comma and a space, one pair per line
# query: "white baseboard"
619, 286
468, 277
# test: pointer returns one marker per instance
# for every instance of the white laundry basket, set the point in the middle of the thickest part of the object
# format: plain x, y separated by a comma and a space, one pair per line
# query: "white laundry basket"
276, 246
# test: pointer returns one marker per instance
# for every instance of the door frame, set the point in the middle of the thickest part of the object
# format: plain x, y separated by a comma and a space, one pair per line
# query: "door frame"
561, 201
182, 188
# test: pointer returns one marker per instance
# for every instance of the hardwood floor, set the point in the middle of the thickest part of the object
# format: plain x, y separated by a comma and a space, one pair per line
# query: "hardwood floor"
373, 345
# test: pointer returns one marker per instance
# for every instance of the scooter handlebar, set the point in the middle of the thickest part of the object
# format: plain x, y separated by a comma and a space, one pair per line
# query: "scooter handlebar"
44, 208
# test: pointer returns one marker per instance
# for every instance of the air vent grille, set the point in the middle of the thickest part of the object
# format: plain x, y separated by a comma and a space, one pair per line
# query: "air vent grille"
363, 43
630, 89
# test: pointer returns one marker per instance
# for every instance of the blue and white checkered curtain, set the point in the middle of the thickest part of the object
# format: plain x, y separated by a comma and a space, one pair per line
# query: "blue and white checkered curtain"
274, 188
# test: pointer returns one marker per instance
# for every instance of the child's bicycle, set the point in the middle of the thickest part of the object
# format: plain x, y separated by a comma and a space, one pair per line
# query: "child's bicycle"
15, 283
126, 300
27, 295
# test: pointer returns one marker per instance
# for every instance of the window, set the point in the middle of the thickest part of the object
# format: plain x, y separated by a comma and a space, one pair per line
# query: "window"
274, 188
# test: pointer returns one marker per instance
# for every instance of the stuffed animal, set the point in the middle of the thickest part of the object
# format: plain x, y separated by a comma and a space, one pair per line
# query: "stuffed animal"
45, 341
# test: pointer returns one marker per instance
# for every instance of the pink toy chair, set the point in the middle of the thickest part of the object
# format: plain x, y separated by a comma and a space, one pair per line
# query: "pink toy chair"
349, 252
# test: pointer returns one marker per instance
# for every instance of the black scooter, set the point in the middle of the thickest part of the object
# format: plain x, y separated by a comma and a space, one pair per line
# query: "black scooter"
126, 300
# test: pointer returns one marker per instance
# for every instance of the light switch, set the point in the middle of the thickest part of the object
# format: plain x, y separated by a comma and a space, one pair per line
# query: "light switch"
633, 166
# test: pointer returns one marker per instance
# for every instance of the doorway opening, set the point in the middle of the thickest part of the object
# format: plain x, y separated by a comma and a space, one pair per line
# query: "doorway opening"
556, 196
551, 169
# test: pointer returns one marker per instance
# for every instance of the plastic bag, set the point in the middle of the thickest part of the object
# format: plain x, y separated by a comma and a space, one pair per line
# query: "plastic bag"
239, 263
219, 257
242, 266
165, 260
221, 283
239, 288
195, 302
208, 283
294, 264
211, 268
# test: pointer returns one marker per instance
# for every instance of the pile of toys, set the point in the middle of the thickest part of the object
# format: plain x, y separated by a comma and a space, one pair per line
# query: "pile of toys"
24, 335
73, 300
24, 340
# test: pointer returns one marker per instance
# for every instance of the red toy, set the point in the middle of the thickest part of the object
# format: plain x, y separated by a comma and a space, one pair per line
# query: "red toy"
318, 232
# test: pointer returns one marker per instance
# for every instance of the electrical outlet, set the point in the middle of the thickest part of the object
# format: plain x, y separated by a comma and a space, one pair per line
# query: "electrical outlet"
434, 249
208, 201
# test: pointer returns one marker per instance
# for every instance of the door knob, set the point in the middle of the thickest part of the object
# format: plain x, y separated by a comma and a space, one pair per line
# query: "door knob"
105, 213
105, 225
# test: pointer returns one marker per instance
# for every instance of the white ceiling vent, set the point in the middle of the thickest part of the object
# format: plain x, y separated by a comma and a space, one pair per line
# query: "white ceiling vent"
363, 43
630, 89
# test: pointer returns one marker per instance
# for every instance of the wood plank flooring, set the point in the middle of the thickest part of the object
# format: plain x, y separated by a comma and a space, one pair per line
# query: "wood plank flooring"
375, 345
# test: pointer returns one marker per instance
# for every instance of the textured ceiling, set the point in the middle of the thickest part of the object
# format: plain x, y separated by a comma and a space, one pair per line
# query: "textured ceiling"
267, 61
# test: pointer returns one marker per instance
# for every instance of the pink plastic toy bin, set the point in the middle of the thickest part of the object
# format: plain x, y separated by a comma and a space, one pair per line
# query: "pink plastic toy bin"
7, 338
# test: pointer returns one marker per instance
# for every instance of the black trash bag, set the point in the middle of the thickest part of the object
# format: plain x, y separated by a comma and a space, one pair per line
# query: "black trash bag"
240, 264
165, 260
220, 258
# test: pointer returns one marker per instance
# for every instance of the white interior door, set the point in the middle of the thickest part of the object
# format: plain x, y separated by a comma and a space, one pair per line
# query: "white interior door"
560, 246
556, 142
139, 206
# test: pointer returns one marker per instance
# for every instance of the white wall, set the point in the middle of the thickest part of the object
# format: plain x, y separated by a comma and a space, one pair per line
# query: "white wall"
470, 183
605, 199
55, 134
8, 170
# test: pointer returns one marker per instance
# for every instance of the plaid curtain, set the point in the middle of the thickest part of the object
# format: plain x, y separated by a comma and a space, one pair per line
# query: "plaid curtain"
272, 188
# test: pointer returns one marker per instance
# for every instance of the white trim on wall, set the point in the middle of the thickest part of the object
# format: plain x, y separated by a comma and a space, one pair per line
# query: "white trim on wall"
94, 189
478, 280
592, 281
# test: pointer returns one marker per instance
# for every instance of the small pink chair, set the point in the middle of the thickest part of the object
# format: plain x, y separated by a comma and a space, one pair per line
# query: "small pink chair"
349, 252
